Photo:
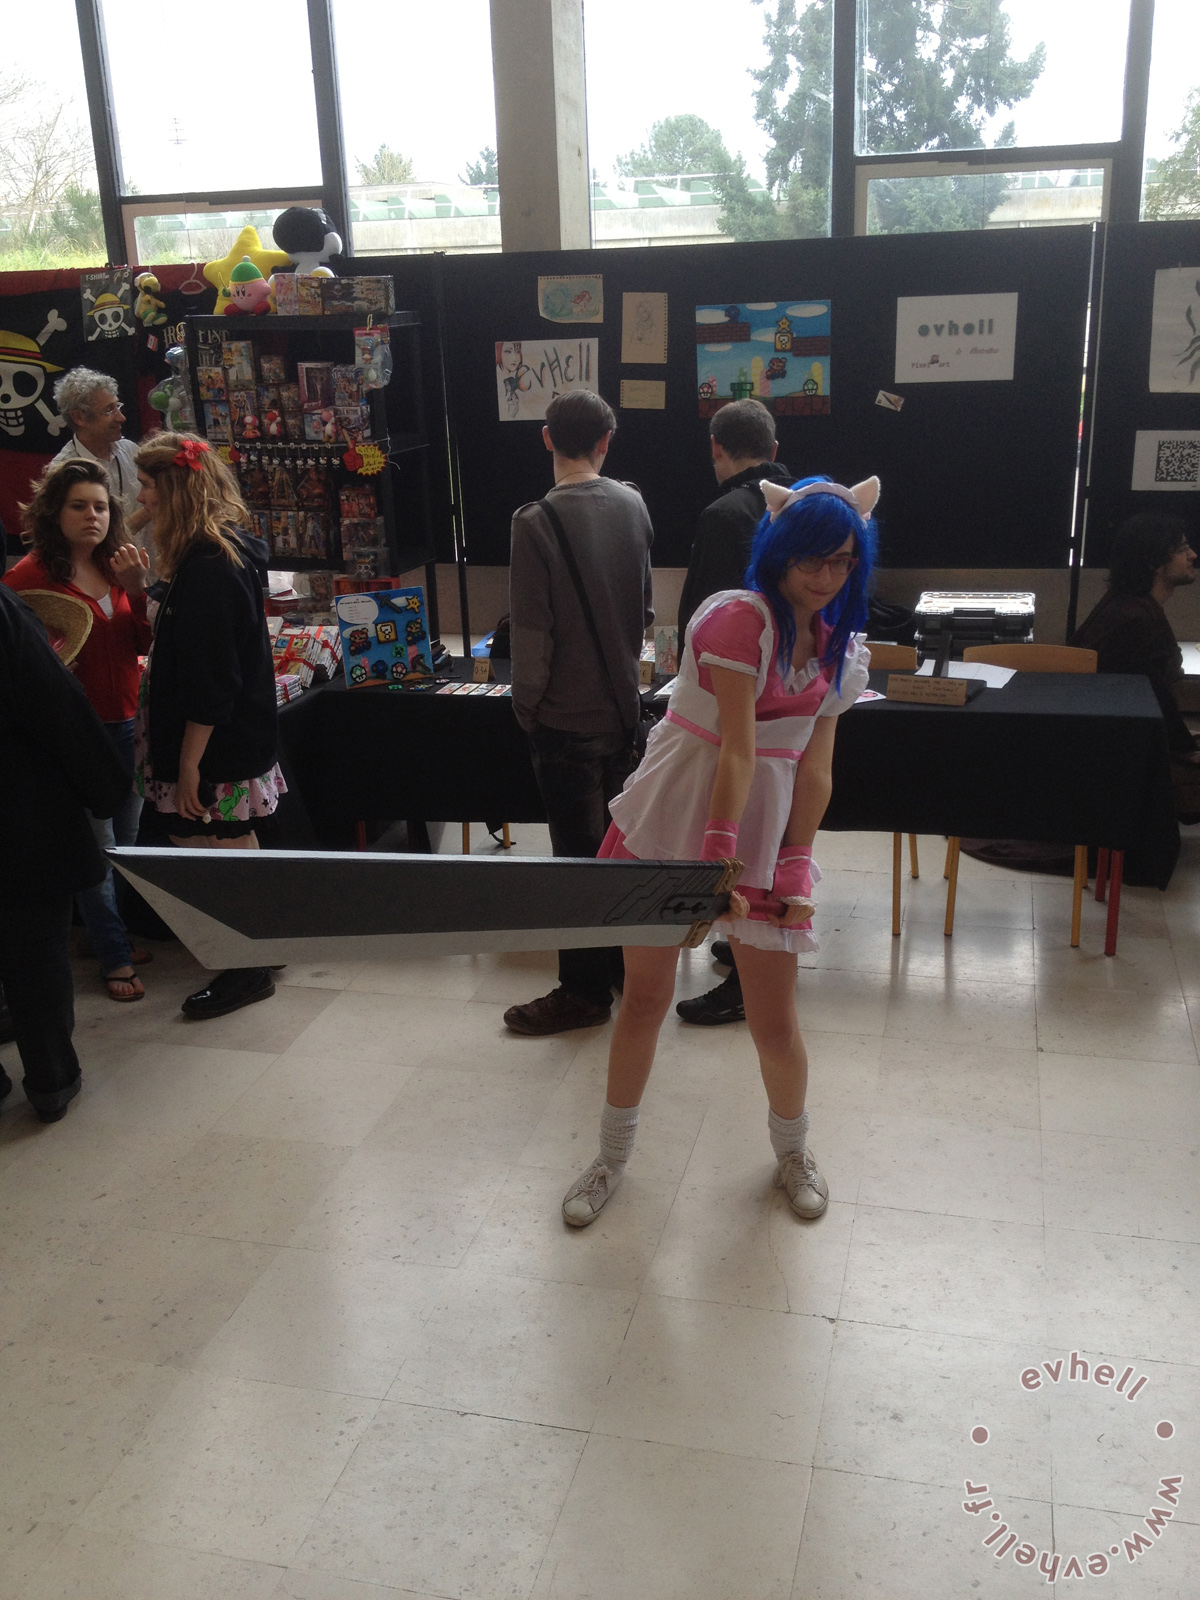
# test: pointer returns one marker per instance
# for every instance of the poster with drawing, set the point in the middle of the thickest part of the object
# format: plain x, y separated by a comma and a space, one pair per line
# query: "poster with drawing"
776, 351
1167, 462
644, 329
955, 338
571, 299
1175, 332
107, 300
530, 372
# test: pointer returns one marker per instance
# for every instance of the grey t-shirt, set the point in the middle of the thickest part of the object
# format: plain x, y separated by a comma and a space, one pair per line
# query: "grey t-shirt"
558, 682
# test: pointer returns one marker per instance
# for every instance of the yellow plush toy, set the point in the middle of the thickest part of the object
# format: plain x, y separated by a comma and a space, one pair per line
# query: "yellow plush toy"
247, 243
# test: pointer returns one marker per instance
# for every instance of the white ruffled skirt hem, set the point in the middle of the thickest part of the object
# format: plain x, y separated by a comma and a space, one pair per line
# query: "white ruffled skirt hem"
765, 936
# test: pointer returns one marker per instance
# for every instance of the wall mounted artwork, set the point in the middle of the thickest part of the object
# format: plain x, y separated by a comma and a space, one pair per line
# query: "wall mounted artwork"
776, 351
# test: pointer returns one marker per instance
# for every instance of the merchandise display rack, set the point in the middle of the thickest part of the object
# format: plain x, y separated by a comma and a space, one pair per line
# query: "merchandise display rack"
397, 422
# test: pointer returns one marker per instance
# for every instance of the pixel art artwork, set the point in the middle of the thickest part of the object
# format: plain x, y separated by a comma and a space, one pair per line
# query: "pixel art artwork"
776, 351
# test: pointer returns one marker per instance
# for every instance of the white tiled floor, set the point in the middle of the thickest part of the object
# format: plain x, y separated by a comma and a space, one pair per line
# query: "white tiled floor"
287, 1308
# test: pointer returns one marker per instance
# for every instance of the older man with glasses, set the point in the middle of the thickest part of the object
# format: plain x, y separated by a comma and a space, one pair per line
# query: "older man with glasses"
91, 404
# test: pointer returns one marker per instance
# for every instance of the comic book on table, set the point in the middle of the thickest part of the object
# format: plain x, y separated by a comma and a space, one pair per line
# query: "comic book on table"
385, 638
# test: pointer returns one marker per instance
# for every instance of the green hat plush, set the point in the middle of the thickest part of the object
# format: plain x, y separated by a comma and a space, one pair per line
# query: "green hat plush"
244, 272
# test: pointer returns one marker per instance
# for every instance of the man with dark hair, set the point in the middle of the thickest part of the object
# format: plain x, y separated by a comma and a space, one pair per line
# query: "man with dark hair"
1151, 558
579, 703
742, 436
743, 441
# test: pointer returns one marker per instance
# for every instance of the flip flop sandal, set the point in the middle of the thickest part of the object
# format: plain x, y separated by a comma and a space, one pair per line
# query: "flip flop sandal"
132, 981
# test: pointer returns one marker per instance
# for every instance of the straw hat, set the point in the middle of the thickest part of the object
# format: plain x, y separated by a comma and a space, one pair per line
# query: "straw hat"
68, 621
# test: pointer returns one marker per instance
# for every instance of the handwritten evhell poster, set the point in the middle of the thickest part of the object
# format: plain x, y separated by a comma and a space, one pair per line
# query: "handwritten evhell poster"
1175, 332
776, 351
530, 372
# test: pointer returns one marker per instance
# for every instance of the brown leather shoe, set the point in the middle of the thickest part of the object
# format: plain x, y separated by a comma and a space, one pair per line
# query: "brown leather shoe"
556, 1012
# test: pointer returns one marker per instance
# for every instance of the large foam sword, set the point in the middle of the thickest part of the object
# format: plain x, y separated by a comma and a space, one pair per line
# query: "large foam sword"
259, 908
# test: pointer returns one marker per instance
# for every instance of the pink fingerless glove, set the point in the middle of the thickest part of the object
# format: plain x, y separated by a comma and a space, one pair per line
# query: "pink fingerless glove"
720, 841
793, 880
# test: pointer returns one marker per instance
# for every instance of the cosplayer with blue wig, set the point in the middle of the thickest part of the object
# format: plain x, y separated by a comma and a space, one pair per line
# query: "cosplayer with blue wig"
740, 769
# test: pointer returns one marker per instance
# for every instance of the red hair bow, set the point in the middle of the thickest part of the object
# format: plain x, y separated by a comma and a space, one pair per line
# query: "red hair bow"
189, 453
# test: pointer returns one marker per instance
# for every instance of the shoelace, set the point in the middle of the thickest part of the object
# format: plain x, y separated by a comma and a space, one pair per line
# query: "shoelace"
798, 1159
596, 1177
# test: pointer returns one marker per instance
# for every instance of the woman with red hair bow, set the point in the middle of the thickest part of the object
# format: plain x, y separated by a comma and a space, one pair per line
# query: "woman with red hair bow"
207, 726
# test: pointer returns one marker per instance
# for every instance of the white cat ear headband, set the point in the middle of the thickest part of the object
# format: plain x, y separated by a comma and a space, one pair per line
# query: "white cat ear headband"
862, 496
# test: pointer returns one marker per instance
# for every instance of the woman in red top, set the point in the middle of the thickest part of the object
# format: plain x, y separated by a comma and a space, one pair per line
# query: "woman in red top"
79, 549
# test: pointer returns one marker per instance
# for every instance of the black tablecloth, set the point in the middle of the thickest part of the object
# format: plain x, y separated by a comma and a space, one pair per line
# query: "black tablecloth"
1070, 758
1067, 758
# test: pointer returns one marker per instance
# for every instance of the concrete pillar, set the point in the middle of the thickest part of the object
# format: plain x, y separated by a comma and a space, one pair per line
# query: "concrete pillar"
541, 124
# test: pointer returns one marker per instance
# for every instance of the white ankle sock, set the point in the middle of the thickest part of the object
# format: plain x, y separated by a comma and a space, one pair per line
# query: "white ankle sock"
788, 1134
618, 1130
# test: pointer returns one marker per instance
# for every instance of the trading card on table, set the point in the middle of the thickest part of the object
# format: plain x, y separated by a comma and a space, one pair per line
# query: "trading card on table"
315, 380
212, 383
308, 295
242, 415
449, 689
272, 369
238, 357
357, 500
285, 533
284, 284
216, 421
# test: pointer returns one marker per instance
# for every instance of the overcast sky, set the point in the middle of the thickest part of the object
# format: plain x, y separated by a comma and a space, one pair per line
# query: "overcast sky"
202, 106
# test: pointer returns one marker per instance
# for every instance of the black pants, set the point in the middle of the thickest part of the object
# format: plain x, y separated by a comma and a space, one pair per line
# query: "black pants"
35, 970
578, 774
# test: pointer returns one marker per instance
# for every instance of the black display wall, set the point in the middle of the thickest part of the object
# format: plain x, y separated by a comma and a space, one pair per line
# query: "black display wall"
974, 475
1123, 402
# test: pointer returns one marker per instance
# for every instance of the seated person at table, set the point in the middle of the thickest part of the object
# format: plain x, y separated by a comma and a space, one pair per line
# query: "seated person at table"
1129, 631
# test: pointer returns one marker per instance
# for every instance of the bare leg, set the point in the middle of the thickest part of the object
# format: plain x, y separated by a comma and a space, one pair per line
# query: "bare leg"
649, 990
769, 988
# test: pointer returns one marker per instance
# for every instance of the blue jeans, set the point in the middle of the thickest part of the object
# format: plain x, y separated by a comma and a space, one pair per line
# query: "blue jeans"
98, 906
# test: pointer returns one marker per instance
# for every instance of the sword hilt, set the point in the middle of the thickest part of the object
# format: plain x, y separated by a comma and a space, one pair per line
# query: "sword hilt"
726, 884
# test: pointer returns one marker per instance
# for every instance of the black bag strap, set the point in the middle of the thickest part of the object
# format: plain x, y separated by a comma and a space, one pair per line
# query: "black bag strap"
568, 555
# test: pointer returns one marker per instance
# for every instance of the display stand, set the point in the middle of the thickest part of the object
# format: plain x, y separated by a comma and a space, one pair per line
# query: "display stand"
397, 427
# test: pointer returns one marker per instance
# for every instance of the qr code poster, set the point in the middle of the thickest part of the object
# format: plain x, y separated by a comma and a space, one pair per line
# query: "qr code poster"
1167, 461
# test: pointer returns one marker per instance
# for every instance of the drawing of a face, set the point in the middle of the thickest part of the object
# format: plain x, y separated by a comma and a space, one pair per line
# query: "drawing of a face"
508, 357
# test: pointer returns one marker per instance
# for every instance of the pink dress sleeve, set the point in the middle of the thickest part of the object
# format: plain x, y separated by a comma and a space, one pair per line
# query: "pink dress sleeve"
730, 636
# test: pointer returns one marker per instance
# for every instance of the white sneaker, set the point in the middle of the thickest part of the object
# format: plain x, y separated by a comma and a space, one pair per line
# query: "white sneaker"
584, 1200
807, 1191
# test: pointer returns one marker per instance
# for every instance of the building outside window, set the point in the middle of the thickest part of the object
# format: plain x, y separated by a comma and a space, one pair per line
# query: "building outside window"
49, 203
419, 118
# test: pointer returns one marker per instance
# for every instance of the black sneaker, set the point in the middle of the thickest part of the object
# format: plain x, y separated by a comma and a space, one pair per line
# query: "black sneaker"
230, 991
722, 953
719, 1005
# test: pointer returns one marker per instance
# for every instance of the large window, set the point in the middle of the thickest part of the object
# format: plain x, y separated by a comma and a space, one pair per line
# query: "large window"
49, 205
961, 74
219, 100
710, 123
419, 120
1172, 175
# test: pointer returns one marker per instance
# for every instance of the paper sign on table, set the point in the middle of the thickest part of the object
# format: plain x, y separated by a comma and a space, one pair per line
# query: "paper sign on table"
643, 394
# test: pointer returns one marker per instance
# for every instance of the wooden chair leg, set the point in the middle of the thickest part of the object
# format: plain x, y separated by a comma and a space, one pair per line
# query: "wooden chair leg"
1077, 893
507, 838
360, 836
895, 886
913, 864
1101, 873
949, 857
1114, 902
952, 891
466, 849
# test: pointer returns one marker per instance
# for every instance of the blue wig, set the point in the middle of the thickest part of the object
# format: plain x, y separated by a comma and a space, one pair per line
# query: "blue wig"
818, 525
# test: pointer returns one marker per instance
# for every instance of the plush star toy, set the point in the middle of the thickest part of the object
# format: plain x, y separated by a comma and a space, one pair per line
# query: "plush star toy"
247, 243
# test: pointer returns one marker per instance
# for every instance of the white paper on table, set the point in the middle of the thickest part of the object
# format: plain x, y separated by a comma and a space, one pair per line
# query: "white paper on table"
994, 677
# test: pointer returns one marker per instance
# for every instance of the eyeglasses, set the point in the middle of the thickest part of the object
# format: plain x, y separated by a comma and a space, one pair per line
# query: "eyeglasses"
113, 409
839, 566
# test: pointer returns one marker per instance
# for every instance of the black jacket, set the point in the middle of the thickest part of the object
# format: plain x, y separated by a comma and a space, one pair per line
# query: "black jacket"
724, 535
212, 664
1130, 633
55, 760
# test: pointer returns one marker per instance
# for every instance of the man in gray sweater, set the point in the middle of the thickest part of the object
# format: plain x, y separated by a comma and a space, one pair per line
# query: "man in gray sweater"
578, 710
